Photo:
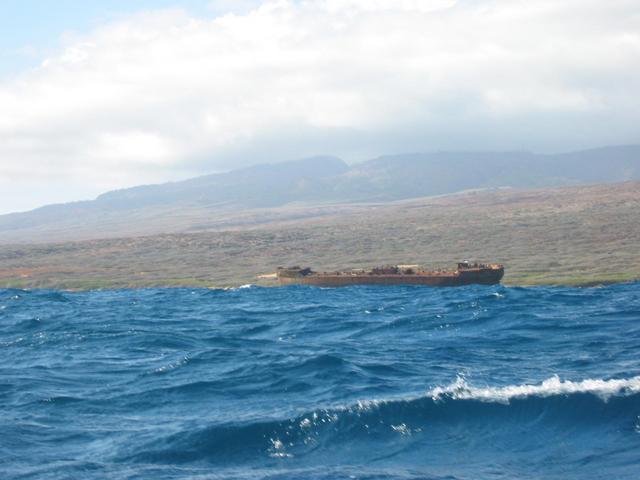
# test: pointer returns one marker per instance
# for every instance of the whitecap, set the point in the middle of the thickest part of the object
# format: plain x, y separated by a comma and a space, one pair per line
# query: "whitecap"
246, 285
552, 386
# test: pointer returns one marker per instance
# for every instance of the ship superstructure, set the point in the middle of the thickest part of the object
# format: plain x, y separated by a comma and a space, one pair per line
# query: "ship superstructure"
466, 273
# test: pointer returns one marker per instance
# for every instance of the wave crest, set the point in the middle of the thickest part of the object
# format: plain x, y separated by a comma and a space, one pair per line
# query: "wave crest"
434, 418
605, 389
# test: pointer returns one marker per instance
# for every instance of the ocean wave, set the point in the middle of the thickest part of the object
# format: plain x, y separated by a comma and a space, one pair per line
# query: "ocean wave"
435, 417
295, 382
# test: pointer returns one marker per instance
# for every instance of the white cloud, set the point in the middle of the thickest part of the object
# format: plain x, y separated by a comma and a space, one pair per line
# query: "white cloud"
238, 7
161, 95
411, 6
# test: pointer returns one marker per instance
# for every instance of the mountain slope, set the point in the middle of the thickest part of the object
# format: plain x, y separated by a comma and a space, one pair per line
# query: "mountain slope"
415, 175
265, 193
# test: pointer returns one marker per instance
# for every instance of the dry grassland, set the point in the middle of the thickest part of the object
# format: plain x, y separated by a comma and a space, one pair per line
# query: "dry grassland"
579, 236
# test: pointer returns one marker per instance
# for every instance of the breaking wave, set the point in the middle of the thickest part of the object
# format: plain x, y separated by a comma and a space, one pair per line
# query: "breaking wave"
603, 389
429, 419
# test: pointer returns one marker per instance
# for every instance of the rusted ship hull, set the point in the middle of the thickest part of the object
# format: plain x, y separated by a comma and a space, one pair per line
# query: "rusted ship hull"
489, 275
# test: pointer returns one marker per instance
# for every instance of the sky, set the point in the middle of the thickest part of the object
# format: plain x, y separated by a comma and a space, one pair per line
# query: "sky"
100, 95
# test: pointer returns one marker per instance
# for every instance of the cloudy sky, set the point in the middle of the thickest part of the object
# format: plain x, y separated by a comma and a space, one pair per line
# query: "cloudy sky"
97, 95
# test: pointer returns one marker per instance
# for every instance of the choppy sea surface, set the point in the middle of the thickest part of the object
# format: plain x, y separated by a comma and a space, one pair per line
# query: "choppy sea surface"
307, 383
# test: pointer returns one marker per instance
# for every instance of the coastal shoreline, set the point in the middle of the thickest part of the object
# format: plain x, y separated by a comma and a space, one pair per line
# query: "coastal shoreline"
83, 286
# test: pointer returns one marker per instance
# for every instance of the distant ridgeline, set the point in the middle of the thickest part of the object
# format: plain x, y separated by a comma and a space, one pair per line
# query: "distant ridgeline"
326, 180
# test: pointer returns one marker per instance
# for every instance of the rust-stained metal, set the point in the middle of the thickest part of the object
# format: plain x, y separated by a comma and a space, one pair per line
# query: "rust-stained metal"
465, 274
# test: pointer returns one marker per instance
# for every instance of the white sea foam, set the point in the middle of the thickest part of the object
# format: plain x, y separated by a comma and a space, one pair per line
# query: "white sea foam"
277, 449
604, 389
173, 365
247, 285
402, 429
461, 390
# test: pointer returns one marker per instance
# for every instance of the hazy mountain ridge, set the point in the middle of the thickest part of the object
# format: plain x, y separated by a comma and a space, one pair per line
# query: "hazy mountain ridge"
215, 199
414, 175
256, 186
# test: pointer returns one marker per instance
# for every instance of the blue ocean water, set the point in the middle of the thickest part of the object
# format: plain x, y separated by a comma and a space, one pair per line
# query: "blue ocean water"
307, 383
